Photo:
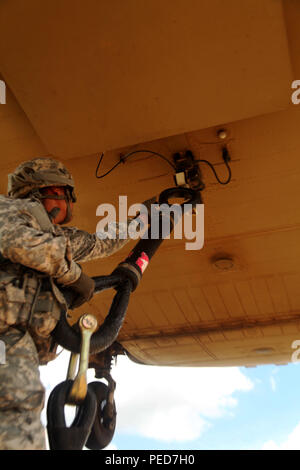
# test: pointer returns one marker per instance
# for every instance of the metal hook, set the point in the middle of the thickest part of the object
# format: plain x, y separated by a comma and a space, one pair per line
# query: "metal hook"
87, 324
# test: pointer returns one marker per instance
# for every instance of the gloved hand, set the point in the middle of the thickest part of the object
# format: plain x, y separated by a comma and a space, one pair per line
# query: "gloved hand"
83, 288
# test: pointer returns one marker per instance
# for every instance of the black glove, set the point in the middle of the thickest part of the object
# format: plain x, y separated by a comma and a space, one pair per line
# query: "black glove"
83, 288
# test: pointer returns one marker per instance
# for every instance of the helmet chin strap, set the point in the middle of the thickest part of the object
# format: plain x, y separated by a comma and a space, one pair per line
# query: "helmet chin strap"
56, 210
68, 214
54, 213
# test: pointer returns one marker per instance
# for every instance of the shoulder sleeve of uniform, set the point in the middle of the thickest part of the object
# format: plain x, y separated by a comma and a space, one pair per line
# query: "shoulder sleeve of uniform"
24, 242
87, 246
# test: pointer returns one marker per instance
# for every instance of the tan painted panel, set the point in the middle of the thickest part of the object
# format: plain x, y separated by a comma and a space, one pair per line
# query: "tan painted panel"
231, 301
262, 297
185, 311
200, 303
18, 140
186, 305
247, 298
292, 283
213, 326
278, 294
99, 75
269, 347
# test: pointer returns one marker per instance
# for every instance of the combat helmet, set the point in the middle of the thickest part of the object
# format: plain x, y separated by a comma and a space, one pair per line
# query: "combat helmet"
38, 173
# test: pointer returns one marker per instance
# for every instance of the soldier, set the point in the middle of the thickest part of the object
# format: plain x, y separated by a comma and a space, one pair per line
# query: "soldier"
38, 256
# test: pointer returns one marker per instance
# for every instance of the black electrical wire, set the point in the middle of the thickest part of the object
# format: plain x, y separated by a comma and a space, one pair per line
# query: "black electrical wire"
109, 171
215, 173
125, 157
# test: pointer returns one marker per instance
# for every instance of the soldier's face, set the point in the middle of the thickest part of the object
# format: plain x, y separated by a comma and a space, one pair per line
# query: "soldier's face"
59, 207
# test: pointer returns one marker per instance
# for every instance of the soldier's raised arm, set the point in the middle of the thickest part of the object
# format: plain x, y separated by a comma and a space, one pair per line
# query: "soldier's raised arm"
87, 246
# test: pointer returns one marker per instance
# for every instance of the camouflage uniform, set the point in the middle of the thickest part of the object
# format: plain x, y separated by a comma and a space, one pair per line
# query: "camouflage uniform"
38, 258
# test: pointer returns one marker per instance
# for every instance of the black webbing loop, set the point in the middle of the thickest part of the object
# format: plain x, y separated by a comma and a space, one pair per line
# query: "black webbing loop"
107, 333
62, 437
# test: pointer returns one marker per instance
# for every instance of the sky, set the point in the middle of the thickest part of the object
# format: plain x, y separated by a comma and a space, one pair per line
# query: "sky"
198, 408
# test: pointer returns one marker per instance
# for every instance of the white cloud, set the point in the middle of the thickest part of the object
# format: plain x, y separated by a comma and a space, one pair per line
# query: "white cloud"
176, 404
292, 441
272, 380
164, 403
273, 383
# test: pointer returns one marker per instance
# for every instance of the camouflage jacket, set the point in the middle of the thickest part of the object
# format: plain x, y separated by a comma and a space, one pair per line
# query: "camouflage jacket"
37, 256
